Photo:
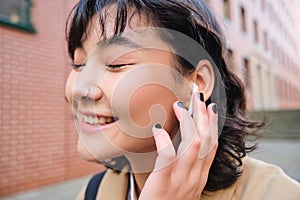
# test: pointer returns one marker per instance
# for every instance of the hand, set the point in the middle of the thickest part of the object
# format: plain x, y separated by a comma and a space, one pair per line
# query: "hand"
183, 175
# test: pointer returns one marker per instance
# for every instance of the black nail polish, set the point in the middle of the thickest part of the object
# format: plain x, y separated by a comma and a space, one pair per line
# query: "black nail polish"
201, 96
180, 104
158, 126
215, 109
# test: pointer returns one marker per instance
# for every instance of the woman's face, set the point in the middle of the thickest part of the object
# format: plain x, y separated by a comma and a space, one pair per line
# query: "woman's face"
128, 84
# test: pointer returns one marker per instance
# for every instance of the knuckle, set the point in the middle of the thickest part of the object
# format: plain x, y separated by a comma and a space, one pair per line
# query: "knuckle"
196, 145
167, 154
209, 138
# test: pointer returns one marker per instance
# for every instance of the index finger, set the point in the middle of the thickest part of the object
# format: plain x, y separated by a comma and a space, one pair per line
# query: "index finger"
187, 127
165, 150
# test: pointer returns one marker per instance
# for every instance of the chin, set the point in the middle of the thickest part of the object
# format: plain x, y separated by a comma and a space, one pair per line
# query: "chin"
83, 152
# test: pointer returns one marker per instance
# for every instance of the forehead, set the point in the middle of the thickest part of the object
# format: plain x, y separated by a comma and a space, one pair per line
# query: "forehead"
138, 32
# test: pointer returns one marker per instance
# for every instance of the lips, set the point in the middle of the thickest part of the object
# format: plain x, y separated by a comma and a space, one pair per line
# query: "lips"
91, 122
98, 120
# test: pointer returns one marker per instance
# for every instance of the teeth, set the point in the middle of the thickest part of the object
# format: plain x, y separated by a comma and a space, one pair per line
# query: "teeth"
108, 120
98, 121
95, 120
85, 118
90, 120
102, 120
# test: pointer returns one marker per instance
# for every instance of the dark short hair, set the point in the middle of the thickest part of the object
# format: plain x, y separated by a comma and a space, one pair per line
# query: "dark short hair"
194, 19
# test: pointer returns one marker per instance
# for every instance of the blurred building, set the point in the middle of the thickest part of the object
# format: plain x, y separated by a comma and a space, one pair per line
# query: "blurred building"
37, 136
263, 45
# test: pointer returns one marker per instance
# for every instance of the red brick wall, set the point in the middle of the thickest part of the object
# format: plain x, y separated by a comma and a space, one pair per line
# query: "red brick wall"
37, 136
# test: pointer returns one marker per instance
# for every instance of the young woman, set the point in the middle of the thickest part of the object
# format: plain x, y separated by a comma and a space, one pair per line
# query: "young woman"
154, 100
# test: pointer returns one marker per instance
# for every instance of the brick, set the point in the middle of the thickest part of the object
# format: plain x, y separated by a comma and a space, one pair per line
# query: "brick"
36, 126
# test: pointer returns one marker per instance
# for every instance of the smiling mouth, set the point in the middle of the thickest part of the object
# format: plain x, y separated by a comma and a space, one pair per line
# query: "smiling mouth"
99, 121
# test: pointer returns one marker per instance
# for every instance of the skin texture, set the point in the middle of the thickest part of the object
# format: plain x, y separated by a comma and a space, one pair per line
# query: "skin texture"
184, 171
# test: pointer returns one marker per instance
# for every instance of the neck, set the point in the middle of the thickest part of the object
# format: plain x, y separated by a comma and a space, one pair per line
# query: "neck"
142, 165
140, 180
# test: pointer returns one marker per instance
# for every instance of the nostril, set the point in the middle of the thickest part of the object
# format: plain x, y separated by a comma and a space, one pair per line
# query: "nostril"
84, 98
87, 93
81, 93
93, 93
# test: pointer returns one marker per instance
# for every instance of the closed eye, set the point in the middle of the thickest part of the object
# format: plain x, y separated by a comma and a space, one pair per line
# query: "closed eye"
78, 67
115, 66
112, 67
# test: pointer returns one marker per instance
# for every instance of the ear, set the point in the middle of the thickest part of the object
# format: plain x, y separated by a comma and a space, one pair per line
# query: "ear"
204, 77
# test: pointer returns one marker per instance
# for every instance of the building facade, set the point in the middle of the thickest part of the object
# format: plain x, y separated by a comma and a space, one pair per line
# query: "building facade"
37, 135
263, 45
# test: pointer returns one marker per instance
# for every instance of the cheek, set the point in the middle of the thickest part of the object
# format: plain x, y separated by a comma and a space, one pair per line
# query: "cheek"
70, 85
151, 103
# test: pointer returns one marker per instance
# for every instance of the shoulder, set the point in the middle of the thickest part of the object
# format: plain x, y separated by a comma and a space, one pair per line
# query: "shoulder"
257, 169
261, 180
91, 189
108, 184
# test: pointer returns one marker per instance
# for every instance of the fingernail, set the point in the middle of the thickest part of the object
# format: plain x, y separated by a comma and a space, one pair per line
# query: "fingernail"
156, 129
215, 109
158, 126
201, 96
180, 104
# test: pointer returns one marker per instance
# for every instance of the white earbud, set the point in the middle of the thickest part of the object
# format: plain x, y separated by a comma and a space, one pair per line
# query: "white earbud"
195, 89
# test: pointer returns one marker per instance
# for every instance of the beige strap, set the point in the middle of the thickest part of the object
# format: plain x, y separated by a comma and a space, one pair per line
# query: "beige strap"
113, 186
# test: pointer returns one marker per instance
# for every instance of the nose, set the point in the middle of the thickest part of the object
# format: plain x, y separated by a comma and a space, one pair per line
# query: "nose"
87, 93
87, 86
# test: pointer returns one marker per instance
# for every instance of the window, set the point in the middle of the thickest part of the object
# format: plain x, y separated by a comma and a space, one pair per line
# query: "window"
278, 87
16, 13
230, 59
243, 19
255, 31
263, 5
227, 8
246, 72
273, 50
266, 39
260, 85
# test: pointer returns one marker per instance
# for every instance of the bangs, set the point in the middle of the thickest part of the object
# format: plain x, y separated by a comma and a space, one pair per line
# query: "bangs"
82, 14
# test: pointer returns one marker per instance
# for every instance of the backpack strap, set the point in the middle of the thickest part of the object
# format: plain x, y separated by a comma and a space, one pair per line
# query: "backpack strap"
93, 186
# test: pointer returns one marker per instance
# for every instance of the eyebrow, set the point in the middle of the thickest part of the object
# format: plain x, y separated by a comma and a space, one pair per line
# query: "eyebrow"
120, 41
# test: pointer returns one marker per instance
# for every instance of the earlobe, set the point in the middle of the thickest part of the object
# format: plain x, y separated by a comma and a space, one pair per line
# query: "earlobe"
204, 77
